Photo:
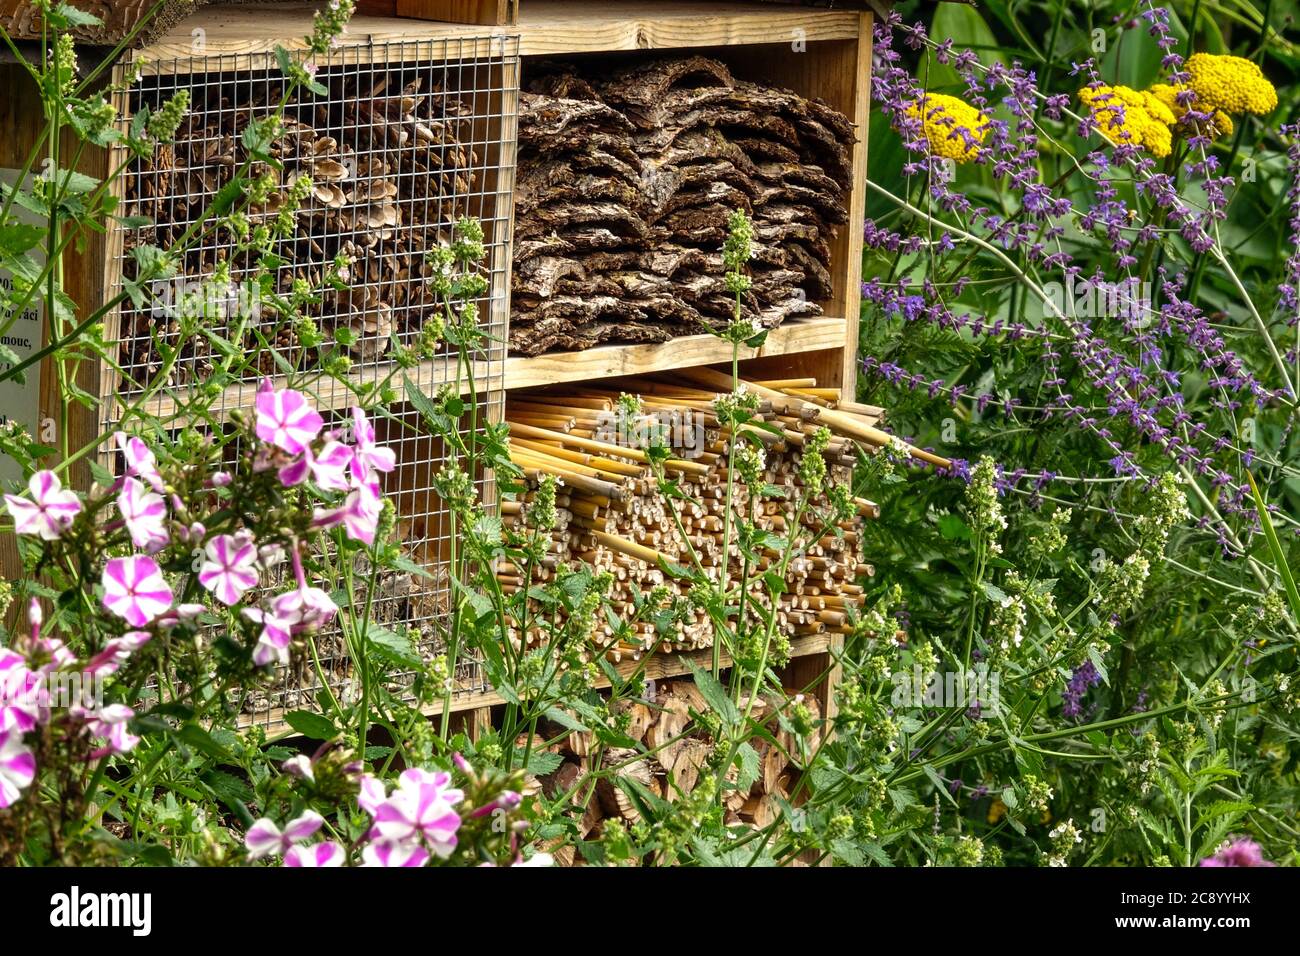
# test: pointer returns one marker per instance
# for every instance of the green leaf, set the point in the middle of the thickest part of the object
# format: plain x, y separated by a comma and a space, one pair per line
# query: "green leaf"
714, 694
1094, 655
283, 59
64, 15
748, 761
393, 646
309, 724
227, 788
195, 736
17, 237
953, 528
565, 719
994, 593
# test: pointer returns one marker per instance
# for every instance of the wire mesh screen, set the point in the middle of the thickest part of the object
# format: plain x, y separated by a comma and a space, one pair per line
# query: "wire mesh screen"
413, 606
409, 137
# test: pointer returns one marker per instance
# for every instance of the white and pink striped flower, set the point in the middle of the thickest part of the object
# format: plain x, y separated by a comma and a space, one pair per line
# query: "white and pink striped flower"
23, 697
286, 419
273, 642
140, 461
329, 468
145, 514
17, 767
135, 589
359, 513
391, 853
368, 456
50, 510
116, 653
299, 766
230, 568
264, 838
110, 723
420, 807
325, 854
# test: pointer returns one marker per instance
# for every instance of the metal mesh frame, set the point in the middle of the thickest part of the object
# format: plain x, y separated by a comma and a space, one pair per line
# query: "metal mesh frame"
476, 79
467, 98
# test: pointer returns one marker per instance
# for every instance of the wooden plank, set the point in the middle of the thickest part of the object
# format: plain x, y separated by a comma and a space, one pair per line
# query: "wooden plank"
489, 12
815, 336
84, 280
545, 27
808, 335
836, 72
573, 26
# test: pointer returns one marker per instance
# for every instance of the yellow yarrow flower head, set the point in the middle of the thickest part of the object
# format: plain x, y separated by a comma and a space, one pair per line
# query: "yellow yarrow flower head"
1220, 124
953, 129
1126, 116
1231, 84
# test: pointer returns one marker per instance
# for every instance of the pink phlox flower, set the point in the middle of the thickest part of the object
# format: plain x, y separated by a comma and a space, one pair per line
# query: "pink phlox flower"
372, 794
305, 605
286, 419
1242, 851
140, 461
135, 589
359, 513
325, 854
110, 723
182, 613
50, 510
265, 838
368, 456
17, 767
394, 853
23, 697
506, 800
273, 641
329, 467
116, 653
299, 766
145, 514
230, 567
420, 807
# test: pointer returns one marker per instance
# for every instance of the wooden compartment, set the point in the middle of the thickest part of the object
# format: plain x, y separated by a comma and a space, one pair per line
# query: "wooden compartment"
814, 51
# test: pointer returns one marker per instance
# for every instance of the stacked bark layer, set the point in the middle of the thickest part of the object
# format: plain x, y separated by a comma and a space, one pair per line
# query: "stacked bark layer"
676, 758
385, 154
611, 515
623, 190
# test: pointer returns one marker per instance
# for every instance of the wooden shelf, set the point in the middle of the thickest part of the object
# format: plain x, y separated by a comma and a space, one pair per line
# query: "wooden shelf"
608, 361
549, 27
546, 27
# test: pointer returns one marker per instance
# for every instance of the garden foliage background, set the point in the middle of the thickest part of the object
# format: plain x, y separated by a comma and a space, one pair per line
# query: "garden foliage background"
1108, 561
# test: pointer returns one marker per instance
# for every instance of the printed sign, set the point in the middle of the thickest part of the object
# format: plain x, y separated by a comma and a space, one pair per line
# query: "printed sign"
24, 336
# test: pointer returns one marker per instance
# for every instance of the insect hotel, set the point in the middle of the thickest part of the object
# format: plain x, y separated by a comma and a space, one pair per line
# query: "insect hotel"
602, 144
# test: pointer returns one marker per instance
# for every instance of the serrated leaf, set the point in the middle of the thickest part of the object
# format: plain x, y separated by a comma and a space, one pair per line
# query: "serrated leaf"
714, 694
309, 724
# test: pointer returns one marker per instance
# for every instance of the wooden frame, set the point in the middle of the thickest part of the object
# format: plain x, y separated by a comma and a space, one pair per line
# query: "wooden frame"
816, 52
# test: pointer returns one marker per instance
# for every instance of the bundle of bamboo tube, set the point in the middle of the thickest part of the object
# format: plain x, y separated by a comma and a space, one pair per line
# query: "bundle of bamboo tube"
611, 516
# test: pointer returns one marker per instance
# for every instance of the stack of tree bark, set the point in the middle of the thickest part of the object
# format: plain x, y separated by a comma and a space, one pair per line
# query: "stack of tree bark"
387, 163
611, 515
675, 756
623, 191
